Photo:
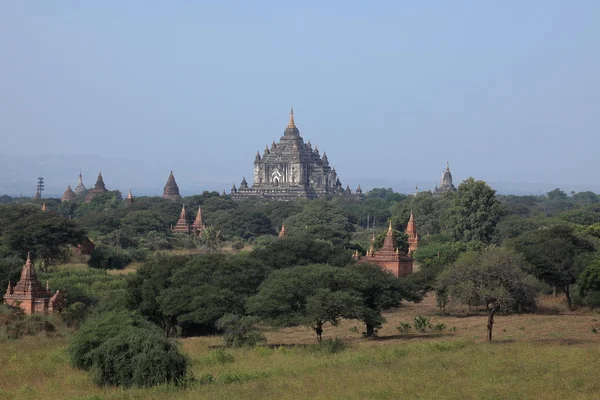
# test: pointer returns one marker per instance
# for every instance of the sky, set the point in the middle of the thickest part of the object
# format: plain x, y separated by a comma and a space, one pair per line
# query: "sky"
505, 91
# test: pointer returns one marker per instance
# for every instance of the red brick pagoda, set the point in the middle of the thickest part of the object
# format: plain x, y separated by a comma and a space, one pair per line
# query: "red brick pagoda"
388, 257
29, 294
413, 236
99, 188
182, 225
198, 224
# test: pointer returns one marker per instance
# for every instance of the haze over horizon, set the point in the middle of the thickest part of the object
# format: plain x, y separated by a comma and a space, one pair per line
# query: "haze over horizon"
506, 92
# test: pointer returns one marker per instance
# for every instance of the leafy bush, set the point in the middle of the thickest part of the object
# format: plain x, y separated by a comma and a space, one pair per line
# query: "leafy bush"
30, 325
404, 327
74, 315
422, 324
138, 359
237, 244
101, 328
239, 331
123, 349
439, 328
108, 257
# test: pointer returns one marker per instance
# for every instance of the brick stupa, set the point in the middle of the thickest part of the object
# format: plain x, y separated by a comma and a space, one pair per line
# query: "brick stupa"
198, 224
388, 257
171, 190
413, 236
68, 195
99, 188
29, 294
182, 225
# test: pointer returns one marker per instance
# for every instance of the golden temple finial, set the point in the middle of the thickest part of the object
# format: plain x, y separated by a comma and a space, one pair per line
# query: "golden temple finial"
291, 124
44, 206
390, 227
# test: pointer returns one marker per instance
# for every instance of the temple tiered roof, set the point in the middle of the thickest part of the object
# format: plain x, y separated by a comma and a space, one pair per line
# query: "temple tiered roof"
99, 188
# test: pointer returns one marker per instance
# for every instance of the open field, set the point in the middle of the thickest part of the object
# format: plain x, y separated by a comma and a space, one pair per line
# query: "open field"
534, 357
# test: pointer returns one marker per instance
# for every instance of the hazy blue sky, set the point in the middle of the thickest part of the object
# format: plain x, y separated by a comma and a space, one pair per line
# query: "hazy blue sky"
506, 91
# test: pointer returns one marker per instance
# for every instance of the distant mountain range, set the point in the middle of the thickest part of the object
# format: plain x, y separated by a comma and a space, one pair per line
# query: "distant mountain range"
18, 175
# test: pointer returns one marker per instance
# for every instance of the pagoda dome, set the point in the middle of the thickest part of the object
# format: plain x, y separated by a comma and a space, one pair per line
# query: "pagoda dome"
69, 194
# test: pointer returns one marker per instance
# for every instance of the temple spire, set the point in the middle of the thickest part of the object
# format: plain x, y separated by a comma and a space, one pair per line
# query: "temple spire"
291, 124
44, 206
282, 231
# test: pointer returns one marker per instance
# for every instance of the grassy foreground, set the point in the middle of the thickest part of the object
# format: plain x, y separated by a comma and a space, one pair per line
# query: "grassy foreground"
38, 368
535, 357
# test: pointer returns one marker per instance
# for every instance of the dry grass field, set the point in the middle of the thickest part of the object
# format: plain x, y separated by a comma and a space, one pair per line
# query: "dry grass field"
543, 356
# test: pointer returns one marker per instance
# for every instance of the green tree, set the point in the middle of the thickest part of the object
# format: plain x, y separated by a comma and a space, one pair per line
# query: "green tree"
589, 279
475, 211
291, 251
46, 235
322, 220
495, 279
190, 293
239, 331
311, 295
379, 291
556, 194
211, 239
553, 253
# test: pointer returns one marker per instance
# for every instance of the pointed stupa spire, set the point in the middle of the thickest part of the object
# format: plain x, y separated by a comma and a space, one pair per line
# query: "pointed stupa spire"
129, 198
413, 236
182, 225
282, 231
80, 187
171, 190
291, 124
198, 224
48, 286
389, 243
44, 206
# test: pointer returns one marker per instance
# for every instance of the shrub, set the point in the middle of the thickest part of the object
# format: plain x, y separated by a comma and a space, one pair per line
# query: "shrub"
422, 324
329, 346
404, 327
239, 331
101, 328
74, 315
138, 359
237, 244
108, 257
439, 328
219, 356
29, 325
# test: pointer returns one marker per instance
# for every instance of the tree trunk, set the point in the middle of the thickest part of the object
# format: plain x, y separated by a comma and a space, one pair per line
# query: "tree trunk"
568, 294
370, 330
490, 323
318, 328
